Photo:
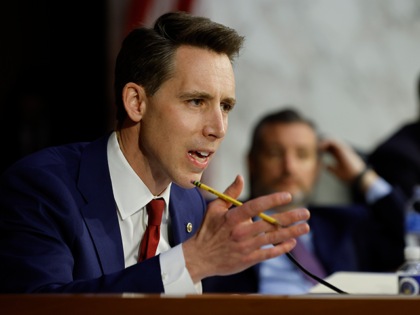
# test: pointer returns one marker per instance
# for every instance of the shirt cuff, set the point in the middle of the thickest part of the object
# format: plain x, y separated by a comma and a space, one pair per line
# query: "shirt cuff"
379, 189
175, 276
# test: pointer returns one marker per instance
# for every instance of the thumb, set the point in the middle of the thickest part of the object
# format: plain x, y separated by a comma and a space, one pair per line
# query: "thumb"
333, 169
235, 189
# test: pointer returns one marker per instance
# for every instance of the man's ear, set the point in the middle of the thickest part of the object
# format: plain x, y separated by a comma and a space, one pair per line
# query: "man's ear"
134, 100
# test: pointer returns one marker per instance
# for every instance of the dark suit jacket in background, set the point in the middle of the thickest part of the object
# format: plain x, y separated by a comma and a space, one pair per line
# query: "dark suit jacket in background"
349, 238
59, 225
397, 160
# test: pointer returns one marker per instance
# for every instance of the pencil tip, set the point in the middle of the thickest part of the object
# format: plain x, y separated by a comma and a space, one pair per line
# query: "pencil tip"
192, 181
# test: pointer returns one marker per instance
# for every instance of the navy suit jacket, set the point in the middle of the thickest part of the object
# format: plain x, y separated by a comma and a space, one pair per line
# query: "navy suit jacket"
59, 225
348, 238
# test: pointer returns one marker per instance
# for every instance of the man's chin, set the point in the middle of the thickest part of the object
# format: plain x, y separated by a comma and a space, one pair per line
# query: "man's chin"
187, 181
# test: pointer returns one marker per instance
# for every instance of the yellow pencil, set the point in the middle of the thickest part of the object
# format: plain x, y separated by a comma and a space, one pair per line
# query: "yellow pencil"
234, 202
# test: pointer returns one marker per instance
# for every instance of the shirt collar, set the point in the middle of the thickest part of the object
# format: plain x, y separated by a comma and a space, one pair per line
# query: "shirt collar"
130, 193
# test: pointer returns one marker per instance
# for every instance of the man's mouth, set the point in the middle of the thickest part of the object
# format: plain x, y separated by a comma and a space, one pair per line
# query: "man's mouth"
200, 156
287, 181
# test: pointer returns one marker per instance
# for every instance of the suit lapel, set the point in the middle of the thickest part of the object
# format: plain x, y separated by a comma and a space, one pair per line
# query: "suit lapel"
185, 206
100, 212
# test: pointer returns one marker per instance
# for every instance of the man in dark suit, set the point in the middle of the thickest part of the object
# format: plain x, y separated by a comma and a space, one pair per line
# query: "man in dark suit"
90, 217
397, 159
285, 156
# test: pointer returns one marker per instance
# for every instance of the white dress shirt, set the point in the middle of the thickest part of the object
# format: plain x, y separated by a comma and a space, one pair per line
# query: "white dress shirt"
131, 197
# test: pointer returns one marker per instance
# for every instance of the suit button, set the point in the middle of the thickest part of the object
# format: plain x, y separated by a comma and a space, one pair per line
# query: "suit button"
189, 227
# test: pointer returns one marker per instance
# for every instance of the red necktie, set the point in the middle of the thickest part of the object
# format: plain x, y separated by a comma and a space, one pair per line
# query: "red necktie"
151, 237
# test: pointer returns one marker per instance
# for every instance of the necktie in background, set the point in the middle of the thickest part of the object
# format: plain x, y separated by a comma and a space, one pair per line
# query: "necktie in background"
309, 261
151, 237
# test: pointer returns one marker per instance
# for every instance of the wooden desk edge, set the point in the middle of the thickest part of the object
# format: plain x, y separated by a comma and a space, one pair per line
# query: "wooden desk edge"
205, 304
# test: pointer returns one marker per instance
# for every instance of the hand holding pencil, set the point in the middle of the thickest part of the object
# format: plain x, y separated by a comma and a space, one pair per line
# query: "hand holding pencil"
234, 202
228, 242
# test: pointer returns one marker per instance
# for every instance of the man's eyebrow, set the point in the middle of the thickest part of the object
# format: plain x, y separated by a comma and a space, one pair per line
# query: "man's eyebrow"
229, 100
196, 94
205, 95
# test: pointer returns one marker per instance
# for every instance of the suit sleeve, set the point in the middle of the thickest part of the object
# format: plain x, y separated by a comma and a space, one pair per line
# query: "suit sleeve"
382, 244
396, 169
45, 246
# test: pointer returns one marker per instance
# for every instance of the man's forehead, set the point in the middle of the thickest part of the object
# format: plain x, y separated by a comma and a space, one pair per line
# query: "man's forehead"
284, 134
201, 73
202, 61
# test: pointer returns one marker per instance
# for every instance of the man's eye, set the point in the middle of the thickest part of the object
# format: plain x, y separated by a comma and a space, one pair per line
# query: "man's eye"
226, 107
196, 101
303, 155
274, 153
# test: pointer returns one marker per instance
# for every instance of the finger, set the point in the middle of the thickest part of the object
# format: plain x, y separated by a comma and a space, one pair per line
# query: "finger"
327, 145
291, 217
273, 237
333, 170
260, 226
271, 252
324, 144
253, 207
334, 149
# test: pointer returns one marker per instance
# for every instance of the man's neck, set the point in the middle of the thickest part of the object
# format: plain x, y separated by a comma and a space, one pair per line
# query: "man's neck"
128, 140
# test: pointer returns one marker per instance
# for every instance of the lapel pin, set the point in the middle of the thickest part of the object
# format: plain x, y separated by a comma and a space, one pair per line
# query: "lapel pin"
189, 227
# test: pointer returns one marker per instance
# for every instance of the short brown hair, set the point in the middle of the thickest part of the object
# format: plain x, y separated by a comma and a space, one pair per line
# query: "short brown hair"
285, 116
147, 54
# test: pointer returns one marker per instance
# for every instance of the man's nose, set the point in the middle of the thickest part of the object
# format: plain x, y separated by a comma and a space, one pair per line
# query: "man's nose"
289, 163
215, 123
